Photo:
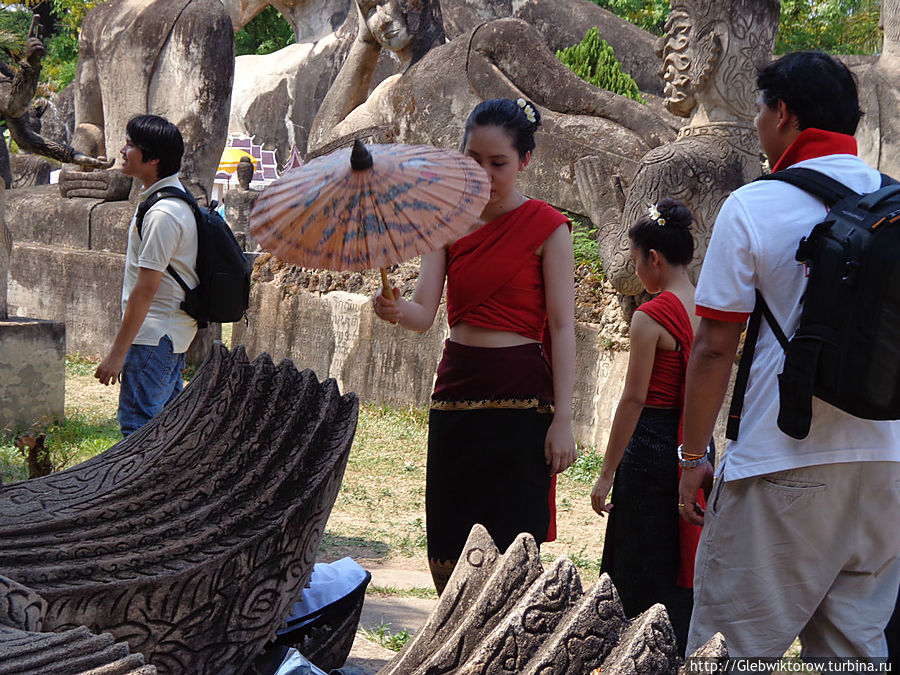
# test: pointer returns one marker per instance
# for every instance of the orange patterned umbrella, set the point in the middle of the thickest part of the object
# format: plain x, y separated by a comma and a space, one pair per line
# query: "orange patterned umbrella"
374, 207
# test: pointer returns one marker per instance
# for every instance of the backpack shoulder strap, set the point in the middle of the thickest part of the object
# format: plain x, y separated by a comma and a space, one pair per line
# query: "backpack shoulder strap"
760, 310
816, 183
165, 193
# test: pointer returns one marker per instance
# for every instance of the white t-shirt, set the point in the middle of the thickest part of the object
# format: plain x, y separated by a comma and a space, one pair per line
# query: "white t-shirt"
169, 237
753, 245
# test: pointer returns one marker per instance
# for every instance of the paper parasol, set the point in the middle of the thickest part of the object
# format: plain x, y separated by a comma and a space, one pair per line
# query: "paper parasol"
383, 205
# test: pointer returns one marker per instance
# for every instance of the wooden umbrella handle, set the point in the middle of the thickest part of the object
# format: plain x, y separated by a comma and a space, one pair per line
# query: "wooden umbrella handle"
386, 289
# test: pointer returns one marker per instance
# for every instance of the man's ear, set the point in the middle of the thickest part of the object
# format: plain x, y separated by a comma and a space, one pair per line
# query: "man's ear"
787, 119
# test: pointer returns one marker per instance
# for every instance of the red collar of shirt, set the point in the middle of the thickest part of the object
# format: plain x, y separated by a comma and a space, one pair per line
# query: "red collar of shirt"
813, 143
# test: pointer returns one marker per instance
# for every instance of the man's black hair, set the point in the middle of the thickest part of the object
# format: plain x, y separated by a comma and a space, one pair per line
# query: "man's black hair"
157, 138
817, 88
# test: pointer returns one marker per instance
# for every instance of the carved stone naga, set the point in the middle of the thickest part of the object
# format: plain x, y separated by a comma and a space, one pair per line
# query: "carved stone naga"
710, 56
193, 537
506, 614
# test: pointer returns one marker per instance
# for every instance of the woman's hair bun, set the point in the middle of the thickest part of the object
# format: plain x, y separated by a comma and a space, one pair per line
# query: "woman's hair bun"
675, 213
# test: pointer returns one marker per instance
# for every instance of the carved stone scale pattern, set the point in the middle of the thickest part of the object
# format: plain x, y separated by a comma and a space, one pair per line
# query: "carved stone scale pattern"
26, 650
191, 538
504, 614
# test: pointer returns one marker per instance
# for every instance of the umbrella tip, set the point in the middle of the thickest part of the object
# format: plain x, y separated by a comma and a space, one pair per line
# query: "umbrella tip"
360, 157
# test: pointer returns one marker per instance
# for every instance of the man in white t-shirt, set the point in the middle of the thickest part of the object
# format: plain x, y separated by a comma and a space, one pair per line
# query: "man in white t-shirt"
148, 352
800, 537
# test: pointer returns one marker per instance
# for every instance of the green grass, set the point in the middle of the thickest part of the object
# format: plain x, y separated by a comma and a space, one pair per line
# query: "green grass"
587, 467
382, 635
394, 592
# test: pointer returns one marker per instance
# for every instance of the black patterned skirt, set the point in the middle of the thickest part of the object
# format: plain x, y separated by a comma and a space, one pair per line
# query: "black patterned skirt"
641, 552
489, 416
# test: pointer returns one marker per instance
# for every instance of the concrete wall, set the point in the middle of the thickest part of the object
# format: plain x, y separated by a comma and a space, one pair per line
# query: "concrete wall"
338, 335
67, 265
32, 373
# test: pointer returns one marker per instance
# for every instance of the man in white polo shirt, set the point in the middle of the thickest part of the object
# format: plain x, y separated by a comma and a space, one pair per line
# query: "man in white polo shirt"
800, 537
148, 352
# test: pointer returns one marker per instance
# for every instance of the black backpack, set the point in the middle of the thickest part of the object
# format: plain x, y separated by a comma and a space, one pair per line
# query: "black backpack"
846, 350
223, 294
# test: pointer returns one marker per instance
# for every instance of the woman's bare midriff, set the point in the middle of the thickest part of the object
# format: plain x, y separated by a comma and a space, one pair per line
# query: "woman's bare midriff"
476, 336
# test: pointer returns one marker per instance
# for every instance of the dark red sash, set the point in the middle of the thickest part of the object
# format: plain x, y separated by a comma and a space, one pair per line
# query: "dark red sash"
666, 309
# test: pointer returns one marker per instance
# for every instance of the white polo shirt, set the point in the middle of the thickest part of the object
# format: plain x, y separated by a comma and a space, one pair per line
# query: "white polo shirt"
753, 245
169, 237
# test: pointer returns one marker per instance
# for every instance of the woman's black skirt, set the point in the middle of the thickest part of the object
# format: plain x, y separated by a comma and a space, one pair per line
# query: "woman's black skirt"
490, 412
641, 552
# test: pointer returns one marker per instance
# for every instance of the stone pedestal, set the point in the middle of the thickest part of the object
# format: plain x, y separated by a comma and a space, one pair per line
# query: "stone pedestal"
32, 372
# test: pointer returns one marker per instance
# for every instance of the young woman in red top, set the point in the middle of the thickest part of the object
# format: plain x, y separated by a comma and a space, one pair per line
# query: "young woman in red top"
648, 550
495, 438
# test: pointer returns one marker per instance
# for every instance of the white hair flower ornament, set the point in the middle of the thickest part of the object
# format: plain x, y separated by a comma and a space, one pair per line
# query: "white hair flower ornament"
655, 215
527, 109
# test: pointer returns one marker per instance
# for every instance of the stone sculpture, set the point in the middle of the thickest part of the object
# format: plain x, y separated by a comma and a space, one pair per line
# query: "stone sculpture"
26, 650
17, 88
174, 58
239, 202
441, 83
506, 614
710, 54
563, 23
193, 537
878, 134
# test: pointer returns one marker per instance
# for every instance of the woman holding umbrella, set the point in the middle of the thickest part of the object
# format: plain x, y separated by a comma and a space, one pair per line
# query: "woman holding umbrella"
500, 424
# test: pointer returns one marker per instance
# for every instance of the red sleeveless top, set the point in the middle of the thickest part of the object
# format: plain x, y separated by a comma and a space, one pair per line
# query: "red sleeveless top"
666, 388
495, 278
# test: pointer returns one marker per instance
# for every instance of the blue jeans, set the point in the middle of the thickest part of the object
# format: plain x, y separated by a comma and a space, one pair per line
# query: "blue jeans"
151, 377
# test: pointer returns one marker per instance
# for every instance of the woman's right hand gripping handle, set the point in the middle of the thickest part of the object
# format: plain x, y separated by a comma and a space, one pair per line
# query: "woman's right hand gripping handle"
386, 308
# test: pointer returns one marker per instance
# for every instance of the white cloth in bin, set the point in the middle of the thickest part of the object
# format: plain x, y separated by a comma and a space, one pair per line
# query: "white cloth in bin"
296, 664
329, 582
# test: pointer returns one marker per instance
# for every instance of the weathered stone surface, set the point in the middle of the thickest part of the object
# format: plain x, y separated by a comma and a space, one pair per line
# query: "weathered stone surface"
503, 58
710, 59
109, 223
646, 647
710, 658
32, 372
504, 614
80, 288
878, 133
564, 23
28, 170
191, 538
25, 650
170, 57
37, 215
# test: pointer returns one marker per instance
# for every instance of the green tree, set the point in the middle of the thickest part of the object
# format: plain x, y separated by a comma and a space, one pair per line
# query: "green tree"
594, 61
834, 26
266, 33
650, 15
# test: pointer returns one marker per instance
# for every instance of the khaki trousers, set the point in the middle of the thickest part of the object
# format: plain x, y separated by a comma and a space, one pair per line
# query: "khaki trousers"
813, 552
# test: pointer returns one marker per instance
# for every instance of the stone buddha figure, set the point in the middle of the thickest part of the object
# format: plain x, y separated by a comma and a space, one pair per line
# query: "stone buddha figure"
239, 202
441, 82
710, 55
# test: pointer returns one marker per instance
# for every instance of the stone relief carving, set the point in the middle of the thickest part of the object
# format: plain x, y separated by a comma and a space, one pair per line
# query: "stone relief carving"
710, 54
429, 101
26, 650
506, 614
878, 134
191, 538
172, 57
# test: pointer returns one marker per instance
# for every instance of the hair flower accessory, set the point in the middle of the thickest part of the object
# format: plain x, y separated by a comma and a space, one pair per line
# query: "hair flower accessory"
655, 215
527, 109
